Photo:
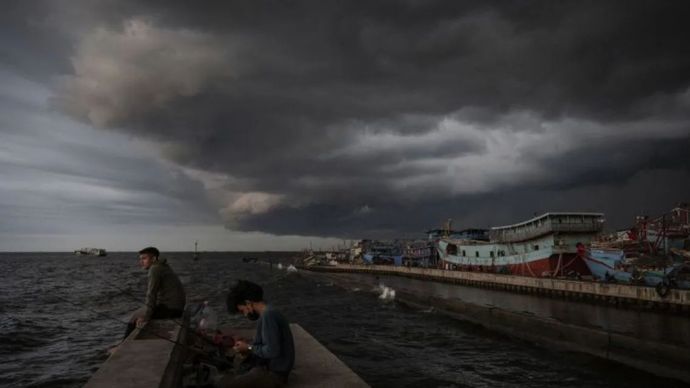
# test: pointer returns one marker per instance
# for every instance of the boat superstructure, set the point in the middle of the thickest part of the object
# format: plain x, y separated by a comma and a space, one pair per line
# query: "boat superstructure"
546, 245
383, 252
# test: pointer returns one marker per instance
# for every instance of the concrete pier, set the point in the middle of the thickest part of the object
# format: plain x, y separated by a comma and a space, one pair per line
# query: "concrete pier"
315, 366
153, 357
149, 357
677, 301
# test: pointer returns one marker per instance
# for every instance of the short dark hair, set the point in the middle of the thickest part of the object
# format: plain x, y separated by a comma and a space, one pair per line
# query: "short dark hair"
153, 251
242, 291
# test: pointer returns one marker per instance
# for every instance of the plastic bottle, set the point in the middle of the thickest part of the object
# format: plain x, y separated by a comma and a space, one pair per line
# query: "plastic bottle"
208, 319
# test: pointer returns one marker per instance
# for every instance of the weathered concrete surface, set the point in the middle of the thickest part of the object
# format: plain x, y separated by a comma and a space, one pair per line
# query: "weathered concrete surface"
315, 366
676, 300
150, 358
142, 360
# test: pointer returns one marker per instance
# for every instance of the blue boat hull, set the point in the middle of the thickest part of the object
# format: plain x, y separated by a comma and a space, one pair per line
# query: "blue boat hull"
372, 259
603, 265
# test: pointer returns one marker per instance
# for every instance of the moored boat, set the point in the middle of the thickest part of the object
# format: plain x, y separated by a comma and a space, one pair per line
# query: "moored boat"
613, 266
384, 252
650, 253
546, 245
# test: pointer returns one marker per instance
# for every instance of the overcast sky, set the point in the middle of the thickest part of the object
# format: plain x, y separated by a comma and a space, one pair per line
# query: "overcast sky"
269, 125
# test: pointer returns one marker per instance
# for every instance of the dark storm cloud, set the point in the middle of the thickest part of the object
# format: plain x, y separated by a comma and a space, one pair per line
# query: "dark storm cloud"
308, 112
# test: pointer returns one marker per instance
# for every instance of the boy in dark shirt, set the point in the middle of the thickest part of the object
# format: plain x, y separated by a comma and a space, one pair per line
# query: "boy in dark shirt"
165, 296
273, 345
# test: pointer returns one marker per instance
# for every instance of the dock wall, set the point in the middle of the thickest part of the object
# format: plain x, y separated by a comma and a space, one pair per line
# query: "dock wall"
662, 359
656, 358
624, 295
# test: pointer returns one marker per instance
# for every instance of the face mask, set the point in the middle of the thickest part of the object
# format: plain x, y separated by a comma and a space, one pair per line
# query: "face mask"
253, 316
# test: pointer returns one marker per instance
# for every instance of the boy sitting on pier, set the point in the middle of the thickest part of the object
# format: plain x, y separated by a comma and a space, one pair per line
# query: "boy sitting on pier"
165, 296
273, 346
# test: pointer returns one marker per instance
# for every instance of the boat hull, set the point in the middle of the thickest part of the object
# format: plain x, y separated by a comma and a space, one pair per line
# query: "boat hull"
545, 262
602, 264
383, 259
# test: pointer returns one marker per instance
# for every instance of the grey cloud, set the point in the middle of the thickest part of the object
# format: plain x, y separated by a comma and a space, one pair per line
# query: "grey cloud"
270, 94
57, 176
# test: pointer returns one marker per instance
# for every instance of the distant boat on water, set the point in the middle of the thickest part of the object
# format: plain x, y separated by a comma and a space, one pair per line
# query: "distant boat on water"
90, 252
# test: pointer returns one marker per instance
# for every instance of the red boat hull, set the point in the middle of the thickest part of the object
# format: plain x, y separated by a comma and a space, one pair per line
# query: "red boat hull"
566, 264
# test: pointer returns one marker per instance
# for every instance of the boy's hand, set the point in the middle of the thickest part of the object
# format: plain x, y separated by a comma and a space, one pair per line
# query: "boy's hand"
241, 347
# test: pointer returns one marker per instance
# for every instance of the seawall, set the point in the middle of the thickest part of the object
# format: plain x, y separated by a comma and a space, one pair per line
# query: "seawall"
654, 354
676, 301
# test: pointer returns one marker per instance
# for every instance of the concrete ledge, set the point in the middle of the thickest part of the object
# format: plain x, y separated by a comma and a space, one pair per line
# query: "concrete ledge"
675, 301
145, 359
150, 358
315, 366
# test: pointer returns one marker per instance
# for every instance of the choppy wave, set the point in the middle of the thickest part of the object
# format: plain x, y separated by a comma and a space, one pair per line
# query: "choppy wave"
386, 293
59, 313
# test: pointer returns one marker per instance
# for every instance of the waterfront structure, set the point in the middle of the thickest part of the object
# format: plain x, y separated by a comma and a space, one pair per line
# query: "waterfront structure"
542, 246
383, 252
653, 252
464, 234
659, 235
419, 254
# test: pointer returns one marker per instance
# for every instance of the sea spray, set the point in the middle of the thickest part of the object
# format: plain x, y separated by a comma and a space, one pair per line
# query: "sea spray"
387, 293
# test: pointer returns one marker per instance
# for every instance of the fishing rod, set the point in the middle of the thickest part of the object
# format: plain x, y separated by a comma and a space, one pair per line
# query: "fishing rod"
133, 297
137, 299
115, 319
209, 358
192, 313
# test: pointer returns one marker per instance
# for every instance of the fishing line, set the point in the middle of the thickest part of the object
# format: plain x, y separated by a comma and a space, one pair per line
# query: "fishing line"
192, 313
118, 320
210, 358
144, 304
138, 300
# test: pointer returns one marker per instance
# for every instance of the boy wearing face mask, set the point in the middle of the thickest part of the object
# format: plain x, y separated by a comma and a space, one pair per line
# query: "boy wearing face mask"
273, 345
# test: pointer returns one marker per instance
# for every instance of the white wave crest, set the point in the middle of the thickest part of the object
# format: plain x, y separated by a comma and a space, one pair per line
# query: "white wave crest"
387, 293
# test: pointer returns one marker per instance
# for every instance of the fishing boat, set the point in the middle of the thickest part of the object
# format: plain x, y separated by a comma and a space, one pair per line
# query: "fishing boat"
607, 265
383, 253
614, 266
650, 253
90, 252
543, 246
418, 253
